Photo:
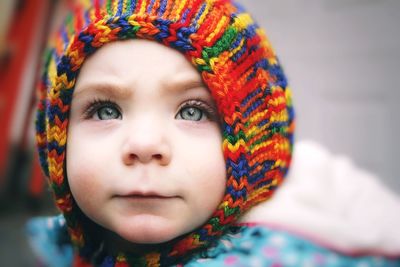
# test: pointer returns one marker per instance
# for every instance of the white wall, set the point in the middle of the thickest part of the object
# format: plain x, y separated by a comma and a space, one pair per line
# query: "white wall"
342, 59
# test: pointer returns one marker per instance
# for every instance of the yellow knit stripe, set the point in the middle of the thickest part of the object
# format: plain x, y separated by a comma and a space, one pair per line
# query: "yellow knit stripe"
277, 146
242, 21
52, 72
132, 20
217, 29
153, 259
57, 134
199, 61
205, 12
277, 100
261, 190
240, 46
76, 58
56, 170
267, 44
256, 129
219, 61
288, 96
235, 147
124, 7
179, 9
282, 146
280, 116
115, 6
142, 8
61, 82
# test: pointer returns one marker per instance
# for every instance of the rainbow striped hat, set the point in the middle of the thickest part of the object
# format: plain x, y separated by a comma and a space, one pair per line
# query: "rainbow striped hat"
238, 65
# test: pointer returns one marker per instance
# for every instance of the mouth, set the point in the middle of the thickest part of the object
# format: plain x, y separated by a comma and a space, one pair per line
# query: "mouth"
146, 196
141, 197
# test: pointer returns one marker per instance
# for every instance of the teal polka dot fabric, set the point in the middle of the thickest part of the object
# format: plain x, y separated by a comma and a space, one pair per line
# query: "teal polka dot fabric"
259, 246
241, 246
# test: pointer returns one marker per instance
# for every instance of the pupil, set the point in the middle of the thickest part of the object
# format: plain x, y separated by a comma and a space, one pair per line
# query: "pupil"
192, 114
107, 113
191, 111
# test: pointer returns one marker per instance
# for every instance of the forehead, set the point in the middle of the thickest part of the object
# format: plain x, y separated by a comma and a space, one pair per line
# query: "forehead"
127, 66
137, 59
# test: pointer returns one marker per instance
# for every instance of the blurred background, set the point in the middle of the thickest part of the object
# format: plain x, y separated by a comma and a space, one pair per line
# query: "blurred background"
341, 58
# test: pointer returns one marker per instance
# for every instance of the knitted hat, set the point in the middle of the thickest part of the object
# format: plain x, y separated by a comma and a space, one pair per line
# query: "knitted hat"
236, 62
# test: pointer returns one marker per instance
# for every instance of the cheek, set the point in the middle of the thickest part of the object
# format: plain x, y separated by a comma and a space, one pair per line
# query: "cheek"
205, 165
80, 179
83, 173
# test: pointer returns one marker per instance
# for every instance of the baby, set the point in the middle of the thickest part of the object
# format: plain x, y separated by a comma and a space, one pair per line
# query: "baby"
160, 123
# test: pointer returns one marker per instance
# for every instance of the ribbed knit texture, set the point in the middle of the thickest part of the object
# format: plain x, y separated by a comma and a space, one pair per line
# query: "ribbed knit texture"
236, 62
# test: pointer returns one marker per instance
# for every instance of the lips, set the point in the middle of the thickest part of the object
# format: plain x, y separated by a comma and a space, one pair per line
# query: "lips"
139, 197
146, 195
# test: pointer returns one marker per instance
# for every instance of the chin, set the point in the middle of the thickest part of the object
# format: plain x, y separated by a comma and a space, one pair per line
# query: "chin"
150, 231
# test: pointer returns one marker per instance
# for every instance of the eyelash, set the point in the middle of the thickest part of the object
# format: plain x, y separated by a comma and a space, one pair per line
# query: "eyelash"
96, 104
209, 111
91, 109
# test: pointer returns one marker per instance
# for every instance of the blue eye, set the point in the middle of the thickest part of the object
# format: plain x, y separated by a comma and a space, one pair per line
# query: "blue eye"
103, 110
197, 110
191, 113
108, 113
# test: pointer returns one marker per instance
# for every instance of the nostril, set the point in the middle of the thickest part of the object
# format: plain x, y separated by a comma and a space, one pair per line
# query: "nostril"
129, 159
133, 156
158, 156
134, 152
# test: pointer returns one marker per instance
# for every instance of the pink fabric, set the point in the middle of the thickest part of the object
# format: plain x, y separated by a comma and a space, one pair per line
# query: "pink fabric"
329, 201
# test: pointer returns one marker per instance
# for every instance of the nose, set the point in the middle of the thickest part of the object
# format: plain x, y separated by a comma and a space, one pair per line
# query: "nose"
145, 145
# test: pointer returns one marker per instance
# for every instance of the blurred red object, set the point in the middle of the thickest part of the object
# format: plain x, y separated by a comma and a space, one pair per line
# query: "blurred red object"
19, 60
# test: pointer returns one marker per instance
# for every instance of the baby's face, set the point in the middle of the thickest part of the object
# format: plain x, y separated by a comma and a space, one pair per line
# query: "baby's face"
144, 153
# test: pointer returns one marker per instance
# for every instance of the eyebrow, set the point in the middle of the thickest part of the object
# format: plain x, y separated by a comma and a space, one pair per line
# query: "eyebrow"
179, 86
104, 88
116, 91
